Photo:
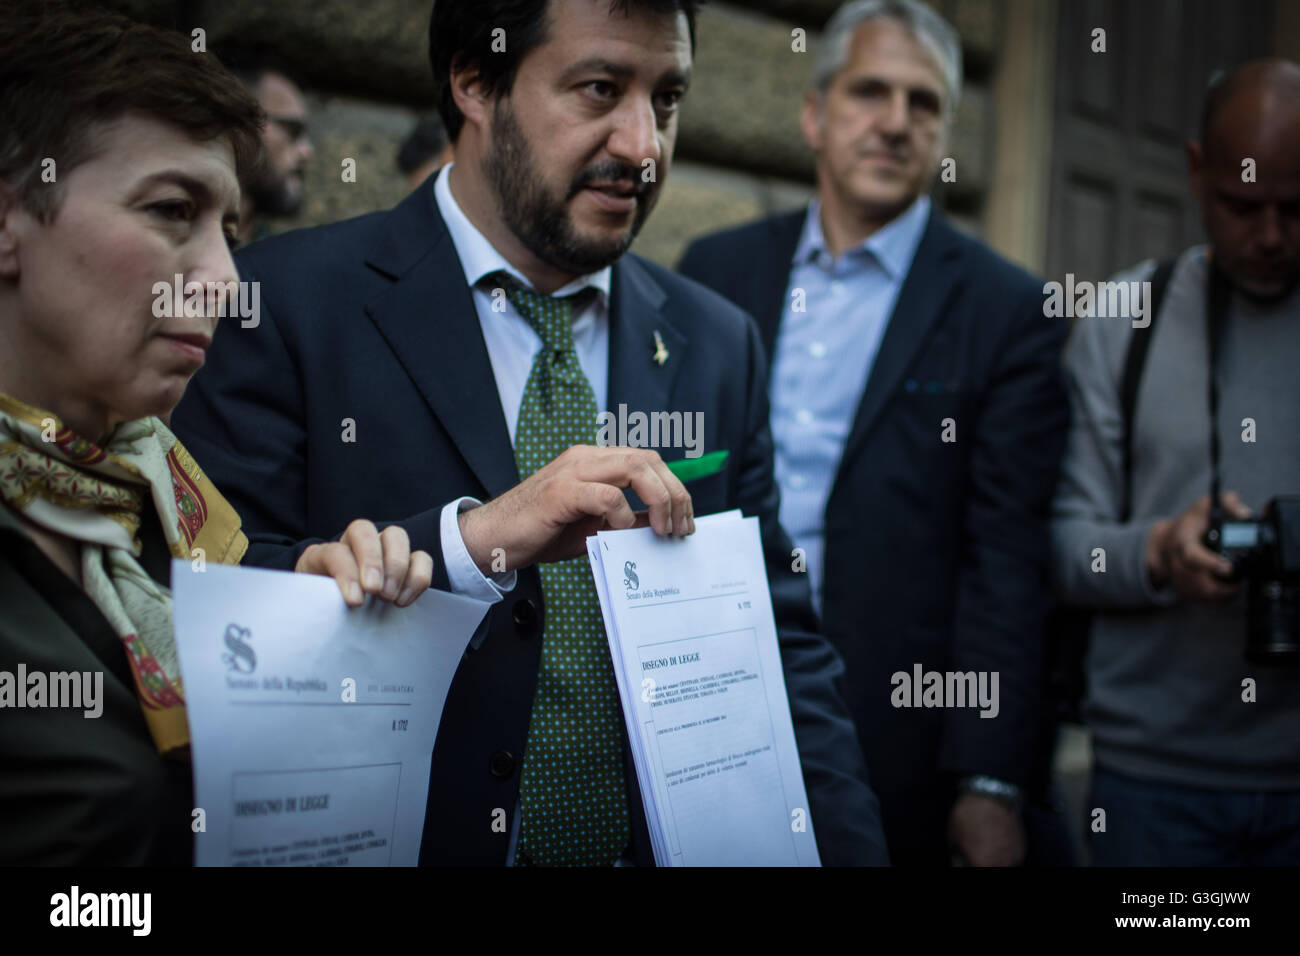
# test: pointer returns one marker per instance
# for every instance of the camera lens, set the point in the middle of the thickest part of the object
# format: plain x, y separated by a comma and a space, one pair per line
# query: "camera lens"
1272, 622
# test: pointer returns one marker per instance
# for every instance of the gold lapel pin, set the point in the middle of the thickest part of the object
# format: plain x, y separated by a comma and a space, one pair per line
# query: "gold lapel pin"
661, 353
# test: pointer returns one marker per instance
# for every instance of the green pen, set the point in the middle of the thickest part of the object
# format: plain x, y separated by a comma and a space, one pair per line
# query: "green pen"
688, 469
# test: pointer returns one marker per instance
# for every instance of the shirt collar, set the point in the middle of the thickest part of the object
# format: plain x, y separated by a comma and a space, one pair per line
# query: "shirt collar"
892, 246
478, 257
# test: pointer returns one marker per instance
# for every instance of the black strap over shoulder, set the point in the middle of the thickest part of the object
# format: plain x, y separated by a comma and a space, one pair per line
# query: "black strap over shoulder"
1068, 627
1134, 360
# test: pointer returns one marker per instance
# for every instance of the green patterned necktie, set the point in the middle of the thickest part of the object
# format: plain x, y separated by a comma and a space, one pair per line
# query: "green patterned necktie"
572, 790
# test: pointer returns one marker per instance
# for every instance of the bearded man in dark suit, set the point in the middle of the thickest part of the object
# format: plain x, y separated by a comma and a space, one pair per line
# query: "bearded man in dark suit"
468, 338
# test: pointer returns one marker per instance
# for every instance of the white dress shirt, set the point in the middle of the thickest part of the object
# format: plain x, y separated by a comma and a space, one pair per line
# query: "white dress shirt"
512, 345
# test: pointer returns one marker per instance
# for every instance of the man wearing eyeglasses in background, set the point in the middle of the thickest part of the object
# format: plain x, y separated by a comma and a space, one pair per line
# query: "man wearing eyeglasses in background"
275, 188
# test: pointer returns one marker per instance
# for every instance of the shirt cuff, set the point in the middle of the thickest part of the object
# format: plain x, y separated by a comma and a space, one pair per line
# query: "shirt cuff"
462, 573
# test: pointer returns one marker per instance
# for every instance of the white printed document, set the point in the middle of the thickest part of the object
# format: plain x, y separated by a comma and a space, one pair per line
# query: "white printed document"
312, 725
694, 644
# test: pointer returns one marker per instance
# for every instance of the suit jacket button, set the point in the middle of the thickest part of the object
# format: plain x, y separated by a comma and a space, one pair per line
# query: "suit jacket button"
525, 616
502, 763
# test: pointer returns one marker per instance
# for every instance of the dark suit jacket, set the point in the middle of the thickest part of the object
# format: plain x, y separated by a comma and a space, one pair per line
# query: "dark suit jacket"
935, 552
371, 320
77, 791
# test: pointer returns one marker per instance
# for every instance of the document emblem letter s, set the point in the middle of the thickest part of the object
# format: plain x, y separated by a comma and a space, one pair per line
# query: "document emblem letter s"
241, 658
630, 580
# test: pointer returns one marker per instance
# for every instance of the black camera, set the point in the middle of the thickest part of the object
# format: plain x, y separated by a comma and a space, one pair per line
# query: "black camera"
1265, 555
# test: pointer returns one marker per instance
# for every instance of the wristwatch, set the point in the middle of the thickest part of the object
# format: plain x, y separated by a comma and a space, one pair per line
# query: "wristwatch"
987, 786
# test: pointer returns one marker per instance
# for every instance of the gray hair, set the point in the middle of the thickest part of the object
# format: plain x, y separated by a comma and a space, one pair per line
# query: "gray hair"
931, 31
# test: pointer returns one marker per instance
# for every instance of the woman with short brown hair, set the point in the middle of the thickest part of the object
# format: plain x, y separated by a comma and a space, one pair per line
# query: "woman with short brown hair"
120, 150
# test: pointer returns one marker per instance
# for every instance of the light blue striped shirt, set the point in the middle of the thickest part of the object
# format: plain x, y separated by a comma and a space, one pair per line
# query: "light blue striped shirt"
834, 318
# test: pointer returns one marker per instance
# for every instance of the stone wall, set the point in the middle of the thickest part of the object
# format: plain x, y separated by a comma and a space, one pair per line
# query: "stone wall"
739, 155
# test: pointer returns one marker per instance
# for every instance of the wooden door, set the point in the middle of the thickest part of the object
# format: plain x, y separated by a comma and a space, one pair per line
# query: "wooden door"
1119, 190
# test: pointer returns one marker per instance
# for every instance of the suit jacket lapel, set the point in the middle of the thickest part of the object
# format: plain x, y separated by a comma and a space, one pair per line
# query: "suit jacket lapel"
428, 318
637, 312
929, 284
771, 276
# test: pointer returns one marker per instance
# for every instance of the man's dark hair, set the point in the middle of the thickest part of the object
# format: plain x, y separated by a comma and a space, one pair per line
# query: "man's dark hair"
461, 34
64, 69
423, 143
251, 63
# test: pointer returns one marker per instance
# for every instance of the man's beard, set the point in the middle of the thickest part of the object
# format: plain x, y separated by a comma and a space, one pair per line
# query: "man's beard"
272, 195
1266, 295
540, 220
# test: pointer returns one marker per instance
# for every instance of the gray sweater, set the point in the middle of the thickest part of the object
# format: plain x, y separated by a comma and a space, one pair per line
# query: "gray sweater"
1166, 674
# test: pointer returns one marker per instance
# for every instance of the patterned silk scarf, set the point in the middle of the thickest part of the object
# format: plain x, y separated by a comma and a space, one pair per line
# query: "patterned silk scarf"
95, 496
